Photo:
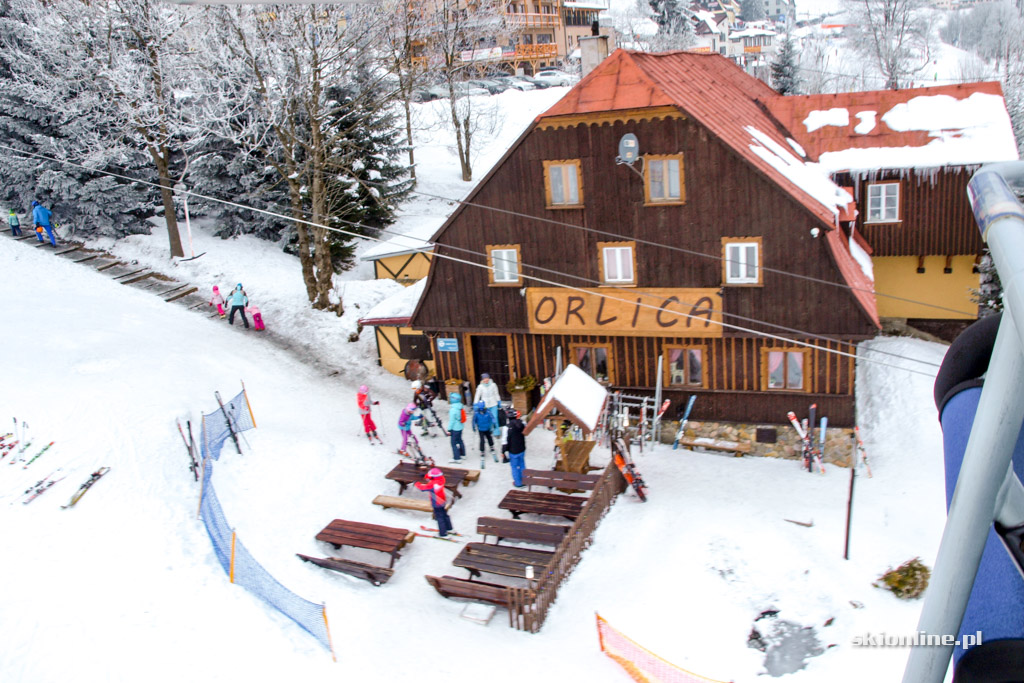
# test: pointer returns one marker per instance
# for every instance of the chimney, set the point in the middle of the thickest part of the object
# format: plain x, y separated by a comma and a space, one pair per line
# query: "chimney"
593, 50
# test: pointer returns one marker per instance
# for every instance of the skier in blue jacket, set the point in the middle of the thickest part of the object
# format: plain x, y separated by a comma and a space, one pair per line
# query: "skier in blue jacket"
41, 218
455, 426
237, 300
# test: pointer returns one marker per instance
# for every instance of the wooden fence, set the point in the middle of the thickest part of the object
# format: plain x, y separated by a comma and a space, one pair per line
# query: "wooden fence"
528, 607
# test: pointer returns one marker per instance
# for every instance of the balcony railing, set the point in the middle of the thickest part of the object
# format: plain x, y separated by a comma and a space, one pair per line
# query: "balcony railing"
531, 20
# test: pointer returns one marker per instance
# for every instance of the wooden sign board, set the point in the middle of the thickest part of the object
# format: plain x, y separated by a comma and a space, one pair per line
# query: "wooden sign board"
666, 312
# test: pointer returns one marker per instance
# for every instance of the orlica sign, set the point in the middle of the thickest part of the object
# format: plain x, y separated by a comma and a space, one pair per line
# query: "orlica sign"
665, 312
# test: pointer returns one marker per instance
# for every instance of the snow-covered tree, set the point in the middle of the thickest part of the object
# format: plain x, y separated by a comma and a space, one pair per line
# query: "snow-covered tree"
675, 26
785, 77
894, 34
752, 10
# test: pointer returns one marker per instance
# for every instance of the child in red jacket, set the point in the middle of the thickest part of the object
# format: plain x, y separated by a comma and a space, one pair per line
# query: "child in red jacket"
434, 483
363, 399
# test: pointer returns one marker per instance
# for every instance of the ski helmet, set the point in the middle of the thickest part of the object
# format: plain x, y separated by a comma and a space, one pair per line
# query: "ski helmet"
416, 384
216, 288
34, 203
411, 408
434, 473
480, 405
363, 390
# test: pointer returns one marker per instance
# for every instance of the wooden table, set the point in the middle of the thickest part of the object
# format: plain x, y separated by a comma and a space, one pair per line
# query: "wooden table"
506, 560
517, 502
406, 473
386, 539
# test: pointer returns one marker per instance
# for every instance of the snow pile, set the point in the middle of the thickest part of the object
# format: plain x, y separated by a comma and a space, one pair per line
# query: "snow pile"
579, 394
819, 118
401, 305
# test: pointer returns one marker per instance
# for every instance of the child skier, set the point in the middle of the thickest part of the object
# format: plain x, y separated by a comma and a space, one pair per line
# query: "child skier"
434, 484
484, 423
14, 223
405, 421
363, 399
257, 317
217, 300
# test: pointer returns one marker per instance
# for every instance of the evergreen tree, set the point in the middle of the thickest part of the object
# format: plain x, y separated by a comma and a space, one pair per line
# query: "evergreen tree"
784, 69
675, 30
752, 10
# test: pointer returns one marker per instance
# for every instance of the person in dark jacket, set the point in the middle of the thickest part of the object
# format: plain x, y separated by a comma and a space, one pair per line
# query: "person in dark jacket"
516, 447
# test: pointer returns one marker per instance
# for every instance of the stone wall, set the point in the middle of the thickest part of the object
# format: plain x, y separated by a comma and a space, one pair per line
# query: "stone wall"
839, 442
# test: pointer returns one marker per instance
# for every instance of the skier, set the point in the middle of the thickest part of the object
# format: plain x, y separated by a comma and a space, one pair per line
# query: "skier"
14, 223
41, 219
483, 423
503, 416
422, 404
456, 420
363, 399
257, 317
217, 300
516, 447
238, 301
487, 391
434, 483
405, 421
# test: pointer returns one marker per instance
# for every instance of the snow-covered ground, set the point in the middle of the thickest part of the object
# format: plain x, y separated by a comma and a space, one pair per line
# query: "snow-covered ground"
126, 586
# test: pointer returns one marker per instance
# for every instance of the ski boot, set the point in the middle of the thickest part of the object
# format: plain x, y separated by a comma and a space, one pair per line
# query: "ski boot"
494, 455
483, 461
379, 440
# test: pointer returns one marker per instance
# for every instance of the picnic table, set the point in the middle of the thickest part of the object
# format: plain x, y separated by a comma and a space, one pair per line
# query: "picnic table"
406, 473
386, 539
506, 560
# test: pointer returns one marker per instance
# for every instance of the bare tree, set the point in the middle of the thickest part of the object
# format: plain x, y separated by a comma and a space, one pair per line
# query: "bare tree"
401, 38
894, 34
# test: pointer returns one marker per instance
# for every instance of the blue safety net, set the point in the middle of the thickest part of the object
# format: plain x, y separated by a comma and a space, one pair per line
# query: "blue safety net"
218, 425
247, 571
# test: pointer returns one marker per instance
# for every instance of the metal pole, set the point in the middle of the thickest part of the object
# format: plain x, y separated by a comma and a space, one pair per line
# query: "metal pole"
656, 437
989, 451
849, 511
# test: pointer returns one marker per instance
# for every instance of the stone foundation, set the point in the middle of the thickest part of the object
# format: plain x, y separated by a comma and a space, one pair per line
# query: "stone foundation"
839, 441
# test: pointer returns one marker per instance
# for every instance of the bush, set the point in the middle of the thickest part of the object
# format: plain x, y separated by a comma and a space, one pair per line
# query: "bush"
524, 383
907, 581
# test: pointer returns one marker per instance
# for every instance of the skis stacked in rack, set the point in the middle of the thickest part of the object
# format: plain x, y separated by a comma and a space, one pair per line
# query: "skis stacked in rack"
683, 421
810, 452
93, 478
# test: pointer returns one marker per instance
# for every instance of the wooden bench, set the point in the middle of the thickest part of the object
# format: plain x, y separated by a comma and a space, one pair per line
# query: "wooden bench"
519, 530
420, 504
707, 443
467, 589
552, 504
552, 479
390, 540
368, 572
506, 560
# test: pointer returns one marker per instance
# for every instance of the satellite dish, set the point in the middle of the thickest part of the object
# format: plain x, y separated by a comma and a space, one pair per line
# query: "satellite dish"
629, 149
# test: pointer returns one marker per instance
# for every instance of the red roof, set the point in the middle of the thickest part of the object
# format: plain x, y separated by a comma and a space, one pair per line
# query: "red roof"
720, 96
792, 110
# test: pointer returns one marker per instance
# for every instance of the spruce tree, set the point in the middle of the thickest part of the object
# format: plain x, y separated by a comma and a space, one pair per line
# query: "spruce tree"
784, 69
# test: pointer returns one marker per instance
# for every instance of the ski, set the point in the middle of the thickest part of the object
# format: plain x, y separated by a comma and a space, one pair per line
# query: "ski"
450, 533
93, 478
683, 421
36, 456
20, 451
439, 538
4, 450
620, 451
41, 487
819, 452
190, 447
862, 453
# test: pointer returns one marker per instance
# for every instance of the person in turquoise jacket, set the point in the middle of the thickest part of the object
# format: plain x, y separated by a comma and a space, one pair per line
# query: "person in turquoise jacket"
14, 223
455, 426
237, 300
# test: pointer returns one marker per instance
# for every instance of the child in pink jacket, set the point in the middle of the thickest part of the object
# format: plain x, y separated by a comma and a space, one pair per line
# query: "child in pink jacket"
257, 317
217, 300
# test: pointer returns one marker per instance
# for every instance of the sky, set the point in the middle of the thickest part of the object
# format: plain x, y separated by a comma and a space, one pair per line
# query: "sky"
125, 585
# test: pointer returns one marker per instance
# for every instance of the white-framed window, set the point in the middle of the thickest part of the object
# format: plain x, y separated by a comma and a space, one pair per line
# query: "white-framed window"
563, 183
741, 261
663, 176
883, 203
785, 370
505, 264
618, 263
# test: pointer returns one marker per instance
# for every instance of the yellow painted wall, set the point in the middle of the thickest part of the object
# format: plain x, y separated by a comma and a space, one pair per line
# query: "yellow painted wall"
897, 275
408, 270
389, 359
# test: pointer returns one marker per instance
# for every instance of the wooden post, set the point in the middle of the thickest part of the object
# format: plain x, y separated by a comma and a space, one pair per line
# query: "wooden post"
849, 511
231, 572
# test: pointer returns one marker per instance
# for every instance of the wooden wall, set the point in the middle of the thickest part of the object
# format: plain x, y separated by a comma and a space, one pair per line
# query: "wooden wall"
936, 217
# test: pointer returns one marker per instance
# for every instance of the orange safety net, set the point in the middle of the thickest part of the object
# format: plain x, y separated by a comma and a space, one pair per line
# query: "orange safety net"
643, 665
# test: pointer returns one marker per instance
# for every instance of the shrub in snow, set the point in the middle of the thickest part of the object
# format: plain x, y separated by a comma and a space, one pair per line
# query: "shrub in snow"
907, 581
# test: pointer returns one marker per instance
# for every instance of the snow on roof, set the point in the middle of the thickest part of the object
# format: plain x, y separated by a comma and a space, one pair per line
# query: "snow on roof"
396, 307
810, 178
837, 116
576, 395
862, 258
416, 239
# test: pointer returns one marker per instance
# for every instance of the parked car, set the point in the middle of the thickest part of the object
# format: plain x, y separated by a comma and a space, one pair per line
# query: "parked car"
426, 94
554, 77
536, 82
492, 86
467, 89
516, 82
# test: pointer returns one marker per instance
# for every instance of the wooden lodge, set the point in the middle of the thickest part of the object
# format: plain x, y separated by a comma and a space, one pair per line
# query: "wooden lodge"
718, 248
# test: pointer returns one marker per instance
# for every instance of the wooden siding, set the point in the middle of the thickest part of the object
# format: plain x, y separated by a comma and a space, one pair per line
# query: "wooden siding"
734, 389
725, 197
935, 211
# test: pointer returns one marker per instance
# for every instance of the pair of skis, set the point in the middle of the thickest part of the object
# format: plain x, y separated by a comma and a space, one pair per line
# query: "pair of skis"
47, 482
683, 421
93, 478
620, 453
434, 534
190, 446
812, 454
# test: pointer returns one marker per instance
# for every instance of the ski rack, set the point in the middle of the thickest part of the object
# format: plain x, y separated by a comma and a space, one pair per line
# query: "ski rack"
618, 414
